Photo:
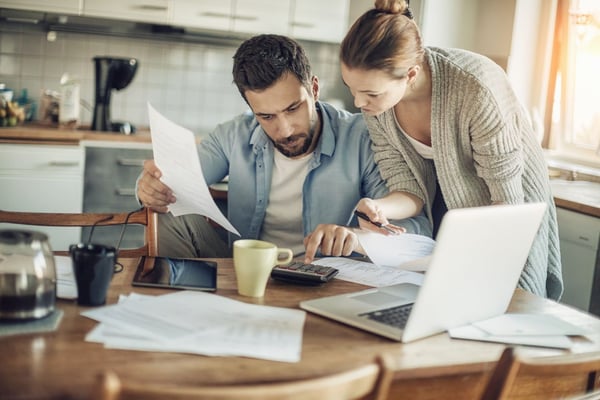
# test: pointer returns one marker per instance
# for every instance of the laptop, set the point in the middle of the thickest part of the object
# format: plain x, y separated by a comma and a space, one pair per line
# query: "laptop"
474, 270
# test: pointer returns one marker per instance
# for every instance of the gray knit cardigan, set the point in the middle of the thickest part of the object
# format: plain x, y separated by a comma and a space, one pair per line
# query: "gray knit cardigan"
484, 150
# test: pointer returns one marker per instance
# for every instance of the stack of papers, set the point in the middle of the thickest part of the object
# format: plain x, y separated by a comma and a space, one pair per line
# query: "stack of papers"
199, 323
526, 329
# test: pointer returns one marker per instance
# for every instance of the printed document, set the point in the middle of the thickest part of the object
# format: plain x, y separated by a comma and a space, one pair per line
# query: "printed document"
175, 154
369, 274
406, 251
199, 323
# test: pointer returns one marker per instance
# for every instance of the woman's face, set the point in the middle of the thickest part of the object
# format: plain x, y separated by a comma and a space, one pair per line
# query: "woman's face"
374, 91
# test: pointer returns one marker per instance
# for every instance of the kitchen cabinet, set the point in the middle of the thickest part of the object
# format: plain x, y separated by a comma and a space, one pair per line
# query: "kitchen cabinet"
44, 178
579, 240
111, 171
328, 23
61, 6
262, 16
153, 11
247, 16
205, 14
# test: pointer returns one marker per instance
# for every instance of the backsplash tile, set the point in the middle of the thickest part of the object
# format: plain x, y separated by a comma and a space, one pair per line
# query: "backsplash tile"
190, 83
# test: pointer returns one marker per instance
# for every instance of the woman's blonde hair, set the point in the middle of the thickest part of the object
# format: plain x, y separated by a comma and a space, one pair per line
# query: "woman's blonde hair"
384, 38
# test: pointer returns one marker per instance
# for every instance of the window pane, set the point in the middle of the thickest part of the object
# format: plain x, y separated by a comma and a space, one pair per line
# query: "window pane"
585, 45
576, 111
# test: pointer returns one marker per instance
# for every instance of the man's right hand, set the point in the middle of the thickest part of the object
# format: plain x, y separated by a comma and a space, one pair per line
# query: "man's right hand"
151, 191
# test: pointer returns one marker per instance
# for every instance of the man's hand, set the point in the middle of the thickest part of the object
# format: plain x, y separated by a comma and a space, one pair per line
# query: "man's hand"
332, 240
151, 191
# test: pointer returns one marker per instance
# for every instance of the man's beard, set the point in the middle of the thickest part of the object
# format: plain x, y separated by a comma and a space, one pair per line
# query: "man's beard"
281, 145
297, 151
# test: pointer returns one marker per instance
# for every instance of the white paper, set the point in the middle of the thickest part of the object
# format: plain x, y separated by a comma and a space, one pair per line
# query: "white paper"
66, 288
175, 154
471, 332
368, 273
528, 324
199, 323
407, 251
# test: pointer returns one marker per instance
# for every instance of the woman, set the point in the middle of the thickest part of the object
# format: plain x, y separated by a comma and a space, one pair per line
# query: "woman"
448, 132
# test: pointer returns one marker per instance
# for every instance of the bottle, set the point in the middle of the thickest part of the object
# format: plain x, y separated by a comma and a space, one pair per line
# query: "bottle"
68, 111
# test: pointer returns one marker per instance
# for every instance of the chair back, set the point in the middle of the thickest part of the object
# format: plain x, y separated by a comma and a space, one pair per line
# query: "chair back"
357, 383
143, 216
554, 377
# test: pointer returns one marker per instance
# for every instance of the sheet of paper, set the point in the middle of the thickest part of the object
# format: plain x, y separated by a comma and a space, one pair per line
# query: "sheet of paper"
471, 332
200, 323
407, 251
175, 154
66, 288
528, 324
368, 273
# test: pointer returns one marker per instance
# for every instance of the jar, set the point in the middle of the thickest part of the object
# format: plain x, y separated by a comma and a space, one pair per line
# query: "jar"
68, 110
27, 275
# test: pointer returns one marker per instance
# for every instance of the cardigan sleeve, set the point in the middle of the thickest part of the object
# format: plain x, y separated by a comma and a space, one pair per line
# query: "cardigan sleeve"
496, 127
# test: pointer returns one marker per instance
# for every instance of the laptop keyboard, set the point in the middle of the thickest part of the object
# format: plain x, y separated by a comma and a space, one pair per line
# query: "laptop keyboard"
394, 316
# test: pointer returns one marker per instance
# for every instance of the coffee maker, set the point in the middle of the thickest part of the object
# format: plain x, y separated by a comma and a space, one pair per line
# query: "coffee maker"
111, 73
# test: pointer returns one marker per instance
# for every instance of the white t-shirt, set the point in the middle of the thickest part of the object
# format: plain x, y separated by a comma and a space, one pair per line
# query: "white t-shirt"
424, 150
283, 218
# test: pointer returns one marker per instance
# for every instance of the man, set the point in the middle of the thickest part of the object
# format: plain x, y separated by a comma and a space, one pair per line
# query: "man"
296, 166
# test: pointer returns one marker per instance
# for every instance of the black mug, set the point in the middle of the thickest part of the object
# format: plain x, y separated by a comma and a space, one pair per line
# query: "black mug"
93, 266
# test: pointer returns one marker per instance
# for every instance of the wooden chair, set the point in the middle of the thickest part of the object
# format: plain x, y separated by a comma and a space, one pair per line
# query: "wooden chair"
555, 377
357, 383
143, 216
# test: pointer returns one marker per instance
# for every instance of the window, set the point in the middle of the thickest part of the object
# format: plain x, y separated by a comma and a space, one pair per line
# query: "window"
575, 122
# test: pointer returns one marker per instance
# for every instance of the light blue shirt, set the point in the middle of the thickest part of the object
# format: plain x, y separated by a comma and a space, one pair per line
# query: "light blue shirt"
341, 172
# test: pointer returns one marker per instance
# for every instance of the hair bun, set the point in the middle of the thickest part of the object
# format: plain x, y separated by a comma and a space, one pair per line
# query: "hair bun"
394, 7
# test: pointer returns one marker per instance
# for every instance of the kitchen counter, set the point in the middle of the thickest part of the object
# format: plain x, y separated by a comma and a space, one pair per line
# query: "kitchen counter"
576, 195
40, 134
579, 196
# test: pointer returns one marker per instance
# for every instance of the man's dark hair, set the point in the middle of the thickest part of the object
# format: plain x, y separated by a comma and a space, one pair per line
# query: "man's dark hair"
262, 60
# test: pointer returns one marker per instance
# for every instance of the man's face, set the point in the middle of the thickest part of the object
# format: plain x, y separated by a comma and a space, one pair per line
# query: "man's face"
287, 113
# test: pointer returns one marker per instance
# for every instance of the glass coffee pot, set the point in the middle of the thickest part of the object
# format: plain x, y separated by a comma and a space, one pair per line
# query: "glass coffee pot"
27, 275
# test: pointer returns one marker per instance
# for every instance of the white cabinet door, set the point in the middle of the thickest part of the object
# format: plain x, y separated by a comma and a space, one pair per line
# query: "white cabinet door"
204, 14
328, 23
63, 6
579, 236
262, 16
153, 11
44, 178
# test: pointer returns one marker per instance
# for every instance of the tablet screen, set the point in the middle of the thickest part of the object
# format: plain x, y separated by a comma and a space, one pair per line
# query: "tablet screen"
176, 273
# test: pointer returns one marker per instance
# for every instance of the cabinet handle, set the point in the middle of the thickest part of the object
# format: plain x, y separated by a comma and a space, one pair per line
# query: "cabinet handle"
245, 17
585, 239
150, 7
63, 163
125, 192
215, 14
130, 162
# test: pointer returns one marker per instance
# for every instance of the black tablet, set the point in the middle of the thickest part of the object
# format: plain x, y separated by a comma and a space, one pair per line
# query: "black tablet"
176, 273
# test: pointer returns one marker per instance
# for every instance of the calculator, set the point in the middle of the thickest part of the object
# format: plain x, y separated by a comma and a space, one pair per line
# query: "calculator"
305, 274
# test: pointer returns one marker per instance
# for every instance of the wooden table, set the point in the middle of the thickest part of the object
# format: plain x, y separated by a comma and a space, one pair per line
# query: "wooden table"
62, 365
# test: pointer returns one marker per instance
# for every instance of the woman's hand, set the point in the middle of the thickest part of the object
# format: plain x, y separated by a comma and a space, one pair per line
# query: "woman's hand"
375, 218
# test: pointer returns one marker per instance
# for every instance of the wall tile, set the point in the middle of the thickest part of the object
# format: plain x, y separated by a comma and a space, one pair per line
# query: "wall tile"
190, 83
